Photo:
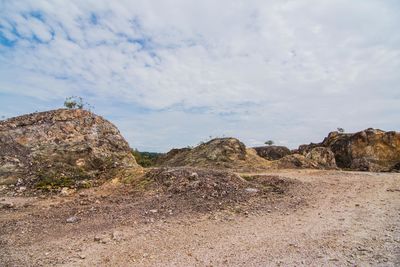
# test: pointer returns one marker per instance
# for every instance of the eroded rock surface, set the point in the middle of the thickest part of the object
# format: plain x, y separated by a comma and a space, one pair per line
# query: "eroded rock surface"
323, 157
272, 152
60, 147
217, 153
368, 150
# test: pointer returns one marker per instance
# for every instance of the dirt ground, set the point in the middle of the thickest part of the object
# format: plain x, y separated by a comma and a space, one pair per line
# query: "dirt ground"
329, 218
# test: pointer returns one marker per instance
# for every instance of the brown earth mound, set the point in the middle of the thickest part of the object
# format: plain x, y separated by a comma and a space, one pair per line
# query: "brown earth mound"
199, 189
218, 153
368, 150
61, 148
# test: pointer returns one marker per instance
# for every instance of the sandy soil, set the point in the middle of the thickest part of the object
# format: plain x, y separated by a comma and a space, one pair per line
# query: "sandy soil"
337, 219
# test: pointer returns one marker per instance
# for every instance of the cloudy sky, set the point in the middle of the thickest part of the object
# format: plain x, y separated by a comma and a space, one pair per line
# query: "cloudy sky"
172, 73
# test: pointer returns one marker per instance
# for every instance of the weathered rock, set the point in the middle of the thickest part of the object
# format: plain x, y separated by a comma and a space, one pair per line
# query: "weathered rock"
272, 152
72, 219
173, 153
295, 161
251, 190
395, 168
218, 153
60, 148
368, 150
314, 158
323, 157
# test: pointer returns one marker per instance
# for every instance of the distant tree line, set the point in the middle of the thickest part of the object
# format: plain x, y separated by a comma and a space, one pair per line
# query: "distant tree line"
145, 159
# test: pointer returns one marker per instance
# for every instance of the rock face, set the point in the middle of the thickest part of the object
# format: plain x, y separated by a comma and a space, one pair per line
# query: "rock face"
219, 150
295, 161
171, 155
217, 153
368, 150
272, 152
323, 157
60, 148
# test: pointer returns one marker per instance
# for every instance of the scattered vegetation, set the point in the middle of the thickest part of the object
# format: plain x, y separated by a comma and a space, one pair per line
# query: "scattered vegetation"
53, 179
76, 102
145, 159
73, 102
248, 177
210, 137
340, 130
269, 143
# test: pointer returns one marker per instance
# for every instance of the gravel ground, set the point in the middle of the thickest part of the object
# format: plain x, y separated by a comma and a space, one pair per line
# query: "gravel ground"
329, 218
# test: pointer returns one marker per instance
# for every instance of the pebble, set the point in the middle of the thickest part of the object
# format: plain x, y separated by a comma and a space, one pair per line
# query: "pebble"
117, 236
65, 191
194, 176
21, 189
72, 219
251, 190
8, 205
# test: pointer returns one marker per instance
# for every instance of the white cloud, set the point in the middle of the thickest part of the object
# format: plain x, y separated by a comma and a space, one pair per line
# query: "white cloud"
290, 69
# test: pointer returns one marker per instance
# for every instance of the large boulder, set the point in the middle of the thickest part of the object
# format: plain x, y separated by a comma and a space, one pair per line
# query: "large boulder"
295, 161
308, 157
272, 152
61, 148
368, 150
323, 157
217, 153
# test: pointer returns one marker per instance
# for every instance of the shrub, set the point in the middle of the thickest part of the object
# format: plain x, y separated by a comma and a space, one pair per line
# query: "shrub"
73, 102
269, 143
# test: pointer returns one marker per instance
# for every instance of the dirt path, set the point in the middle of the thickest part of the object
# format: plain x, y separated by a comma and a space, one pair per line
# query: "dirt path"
348, 218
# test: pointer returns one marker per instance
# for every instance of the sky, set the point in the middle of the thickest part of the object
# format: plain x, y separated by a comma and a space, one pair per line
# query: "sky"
172, 73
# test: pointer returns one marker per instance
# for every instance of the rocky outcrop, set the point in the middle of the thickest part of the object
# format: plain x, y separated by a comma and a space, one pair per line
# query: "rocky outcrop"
368, 150
272, 152
295, 161
314, 158
61, 148
217, 153
172, 155
322, 157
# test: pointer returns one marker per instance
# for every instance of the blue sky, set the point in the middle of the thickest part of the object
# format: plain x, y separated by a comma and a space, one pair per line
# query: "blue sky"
171, 73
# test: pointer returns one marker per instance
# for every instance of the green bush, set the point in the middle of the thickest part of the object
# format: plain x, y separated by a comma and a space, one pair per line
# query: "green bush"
269, 143
73, 102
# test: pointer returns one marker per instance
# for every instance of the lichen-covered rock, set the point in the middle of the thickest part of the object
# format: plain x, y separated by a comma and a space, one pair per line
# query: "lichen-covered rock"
368, 150
61, 148
272, 152
322, 156
219, 150
312, 158
295, 161
217, 153
172, 154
